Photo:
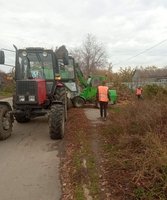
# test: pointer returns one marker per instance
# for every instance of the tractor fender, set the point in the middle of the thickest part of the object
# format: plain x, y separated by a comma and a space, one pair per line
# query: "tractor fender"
5, 103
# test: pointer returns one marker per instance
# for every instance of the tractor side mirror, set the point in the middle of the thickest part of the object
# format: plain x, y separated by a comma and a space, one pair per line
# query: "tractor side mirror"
62, 53
2, 57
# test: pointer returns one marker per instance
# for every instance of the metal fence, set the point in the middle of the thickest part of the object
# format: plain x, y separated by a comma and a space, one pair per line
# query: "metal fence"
133, 85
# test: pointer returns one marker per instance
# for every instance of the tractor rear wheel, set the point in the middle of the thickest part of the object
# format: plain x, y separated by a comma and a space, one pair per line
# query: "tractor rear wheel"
21, 118
78, 102
6, 122
56, 122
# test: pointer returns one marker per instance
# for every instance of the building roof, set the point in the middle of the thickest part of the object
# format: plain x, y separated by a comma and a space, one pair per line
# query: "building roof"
150, 73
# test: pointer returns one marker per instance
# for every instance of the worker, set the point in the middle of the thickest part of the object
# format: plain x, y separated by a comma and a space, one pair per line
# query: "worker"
139, 91
103, 99
89, 80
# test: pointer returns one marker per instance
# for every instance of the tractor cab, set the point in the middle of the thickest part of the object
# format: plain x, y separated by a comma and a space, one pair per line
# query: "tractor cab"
68, 76
34, 64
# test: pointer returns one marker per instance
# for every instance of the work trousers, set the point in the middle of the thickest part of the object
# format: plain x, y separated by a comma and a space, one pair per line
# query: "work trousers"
139, 96
103, 108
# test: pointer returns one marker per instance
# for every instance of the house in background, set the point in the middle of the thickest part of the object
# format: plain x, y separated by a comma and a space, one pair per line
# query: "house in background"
149, 77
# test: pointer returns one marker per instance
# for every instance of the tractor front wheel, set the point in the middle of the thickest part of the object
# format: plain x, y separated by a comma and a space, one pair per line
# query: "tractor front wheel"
56, 122
62, 96
6, 122
78, 102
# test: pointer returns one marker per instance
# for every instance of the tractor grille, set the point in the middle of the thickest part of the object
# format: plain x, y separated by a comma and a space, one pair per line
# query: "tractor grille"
26, 87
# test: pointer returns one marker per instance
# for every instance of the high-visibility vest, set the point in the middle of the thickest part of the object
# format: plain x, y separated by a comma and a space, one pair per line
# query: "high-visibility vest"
138, 91
103, 93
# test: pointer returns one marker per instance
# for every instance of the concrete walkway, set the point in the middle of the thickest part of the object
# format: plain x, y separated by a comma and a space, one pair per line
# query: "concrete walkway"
93, 114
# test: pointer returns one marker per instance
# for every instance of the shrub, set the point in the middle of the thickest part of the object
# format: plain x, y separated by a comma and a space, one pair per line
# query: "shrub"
154, 90
141, 146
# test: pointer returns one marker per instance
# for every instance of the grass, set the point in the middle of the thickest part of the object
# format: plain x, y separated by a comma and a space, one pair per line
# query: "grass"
132, 151
136, 149
79, 194
5, 94
85, 176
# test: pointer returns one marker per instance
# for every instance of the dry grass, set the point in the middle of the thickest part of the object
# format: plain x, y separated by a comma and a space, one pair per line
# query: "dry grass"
132, 153
137, 148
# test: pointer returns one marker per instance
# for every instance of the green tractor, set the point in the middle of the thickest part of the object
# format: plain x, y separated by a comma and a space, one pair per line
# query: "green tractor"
68, 77
89, 89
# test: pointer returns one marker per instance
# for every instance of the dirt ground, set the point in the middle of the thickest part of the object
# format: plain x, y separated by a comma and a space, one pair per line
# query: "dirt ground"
87, 121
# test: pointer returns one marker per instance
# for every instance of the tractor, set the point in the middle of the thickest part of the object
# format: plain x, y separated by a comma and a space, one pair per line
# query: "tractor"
89, 89
39, 90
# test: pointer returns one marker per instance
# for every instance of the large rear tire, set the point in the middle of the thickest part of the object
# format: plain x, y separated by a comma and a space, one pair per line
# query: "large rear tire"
78, 102
6, 122
56, 122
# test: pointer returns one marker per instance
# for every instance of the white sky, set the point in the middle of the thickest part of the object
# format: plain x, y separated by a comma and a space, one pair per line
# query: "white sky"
126, 27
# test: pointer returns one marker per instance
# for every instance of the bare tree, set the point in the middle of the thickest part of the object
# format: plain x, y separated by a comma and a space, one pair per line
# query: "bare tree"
91, 55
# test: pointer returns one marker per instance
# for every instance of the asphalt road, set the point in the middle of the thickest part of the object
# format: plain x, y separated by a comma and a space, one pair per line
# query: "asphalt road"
29, 163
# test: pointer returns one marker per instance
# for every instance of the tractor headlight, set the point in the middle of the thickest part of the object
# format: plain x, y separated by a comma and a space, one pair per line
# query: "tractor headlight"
21, 98
57, 77
31, 98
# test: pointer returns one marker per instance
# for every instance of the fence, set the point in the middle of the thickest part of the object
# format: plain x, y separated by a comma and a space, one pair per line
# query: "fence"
133, 85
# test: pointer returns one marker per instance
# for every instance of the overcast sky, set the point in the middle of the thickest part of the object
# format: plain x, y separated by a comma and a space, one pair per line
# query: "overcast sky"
126, 27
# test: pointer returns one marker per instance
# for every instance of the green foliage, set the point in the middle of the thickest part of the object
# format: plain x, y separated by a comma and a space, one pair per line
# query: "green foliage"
8, 89
139, 193
154, 90
79, 193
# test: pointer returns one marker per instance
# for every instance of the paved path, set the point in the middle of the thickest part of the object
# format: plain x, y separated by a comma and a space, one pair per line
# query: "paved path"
29, 163
93, 114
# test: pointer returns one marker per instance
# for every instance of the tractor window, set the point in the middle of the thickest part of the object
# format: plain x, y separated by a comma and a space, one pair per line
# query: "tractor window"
66, 71
36, 65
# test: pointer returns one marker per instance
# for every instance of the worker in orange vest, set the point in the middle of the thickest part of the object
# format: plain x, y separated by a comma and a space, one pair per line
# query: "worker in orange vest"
139, 91
103, 99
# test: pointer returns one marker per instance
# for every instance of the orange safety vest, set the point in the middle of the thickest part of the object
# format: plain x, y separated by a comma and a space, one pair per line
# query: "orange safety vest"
103, 93
138, 91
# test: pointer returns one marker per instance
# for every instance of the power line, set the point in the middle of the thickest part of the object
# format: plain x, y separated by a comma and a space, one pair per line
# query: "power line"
142, 52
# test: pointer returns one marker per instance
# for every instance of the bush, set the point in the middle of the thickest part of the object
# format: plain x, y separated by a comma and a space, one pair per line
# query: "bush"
7, 90
154, 90
123, 92
141, 146
8, 87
